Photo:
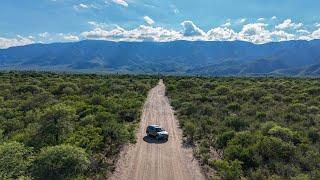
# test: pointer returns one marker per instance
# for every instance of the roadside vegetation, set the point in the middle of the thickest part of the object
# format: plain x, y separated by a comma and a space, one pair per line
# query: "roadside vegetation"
253, 128
60, 126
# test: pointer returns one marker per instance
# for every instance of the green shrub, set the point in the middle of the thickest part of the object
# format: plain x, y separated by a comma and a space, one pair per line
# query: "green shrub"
237, 152
234, 107
261, 116
15, 160
258, 175
272, 148
314, 136
190, 130
224, 138
87, 137
236, 123
56, 122
283, 133
228, 170
222, 90
244, 138
60, 162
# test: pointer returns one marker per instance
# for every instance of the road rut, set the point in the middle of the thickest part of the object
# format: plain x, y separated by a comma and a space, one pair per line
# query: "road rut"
149, 159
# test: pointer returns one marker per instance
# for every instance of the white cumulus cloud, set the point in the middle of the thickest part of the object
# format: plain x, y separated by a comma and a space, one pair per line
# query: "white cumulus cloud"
98, 24
141, 33
303, 31
243, 20
190, 29
255, 32
121, 2
84, 6
71, 38
287, 24
18, 41
44, 34
99, 33
227, 24
316, 34
281, 36
221, 34
148, 20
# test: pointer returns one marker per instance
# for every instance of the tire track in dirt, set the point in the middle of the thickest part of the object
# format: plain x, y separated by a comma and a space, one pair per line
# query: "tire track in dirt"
149, 159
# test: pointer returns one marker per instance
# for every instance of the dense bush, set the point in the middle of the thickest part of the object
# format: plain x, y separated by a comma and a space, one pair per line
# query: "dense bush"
60, 162
15, 160
61, 126
255, 128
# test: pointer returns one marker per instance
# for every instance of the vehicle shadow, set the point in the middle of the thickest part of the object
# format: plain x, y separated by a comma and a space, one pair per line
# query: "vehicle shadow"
152, 140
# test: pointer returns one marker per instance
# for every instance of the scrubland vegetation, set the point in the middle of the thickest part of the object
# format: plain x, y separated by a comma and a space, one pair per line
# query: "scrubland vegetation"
253, 128
59, 126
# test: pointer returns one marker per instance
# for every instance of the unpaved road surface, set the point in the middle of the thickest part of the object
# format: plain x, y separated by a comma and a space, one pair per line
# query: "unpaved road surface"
149, 159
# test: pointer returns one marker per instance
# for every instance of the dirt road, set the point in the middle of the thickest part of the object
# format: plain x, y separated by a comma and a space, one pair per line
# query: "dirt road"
149, 159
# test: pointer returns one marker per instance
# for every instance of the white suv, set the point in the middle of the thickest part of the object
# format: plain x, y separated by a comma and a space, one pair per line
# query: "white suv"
157, 132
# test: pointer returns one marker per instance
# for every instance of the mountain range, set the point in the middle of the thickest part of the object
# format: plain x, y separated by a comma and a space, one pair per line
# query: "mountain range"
211, 58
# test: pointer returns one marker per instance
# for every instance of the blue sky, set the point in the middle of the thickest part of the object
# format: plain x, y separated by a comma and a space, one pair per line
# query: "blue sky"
257, 21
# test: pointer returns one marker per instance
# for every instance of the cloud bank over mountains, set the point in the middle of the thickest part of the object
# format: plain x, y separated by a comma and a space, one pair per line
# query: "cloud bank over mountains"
17, 41
258, 33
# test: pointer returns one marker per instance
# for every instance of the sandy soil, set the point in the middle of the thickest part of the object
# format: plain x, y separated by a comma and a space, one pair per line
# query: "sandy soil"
149, 159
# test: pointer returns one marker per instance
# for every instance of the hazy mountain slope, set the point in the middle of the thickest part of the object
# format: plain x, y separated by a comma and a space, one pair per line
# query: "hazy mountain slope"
207, 58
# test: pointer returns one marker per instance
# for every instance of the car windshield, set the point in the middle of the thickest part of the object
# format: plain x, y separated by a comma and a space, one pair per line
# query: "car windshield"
159, 129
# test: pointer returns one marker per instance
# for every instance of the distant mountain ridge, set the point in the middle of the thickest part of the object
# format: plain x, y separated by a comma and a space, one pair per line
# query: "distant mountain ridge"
215, 58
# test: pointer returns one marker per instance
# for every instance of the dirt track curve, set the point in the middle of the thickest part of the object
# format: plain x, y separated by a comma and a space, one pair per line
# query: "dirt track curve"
149, 159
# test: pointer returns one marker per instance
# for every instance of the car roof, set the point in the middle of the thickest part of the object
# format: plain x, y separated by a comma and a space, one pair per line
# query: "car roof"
154, 125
